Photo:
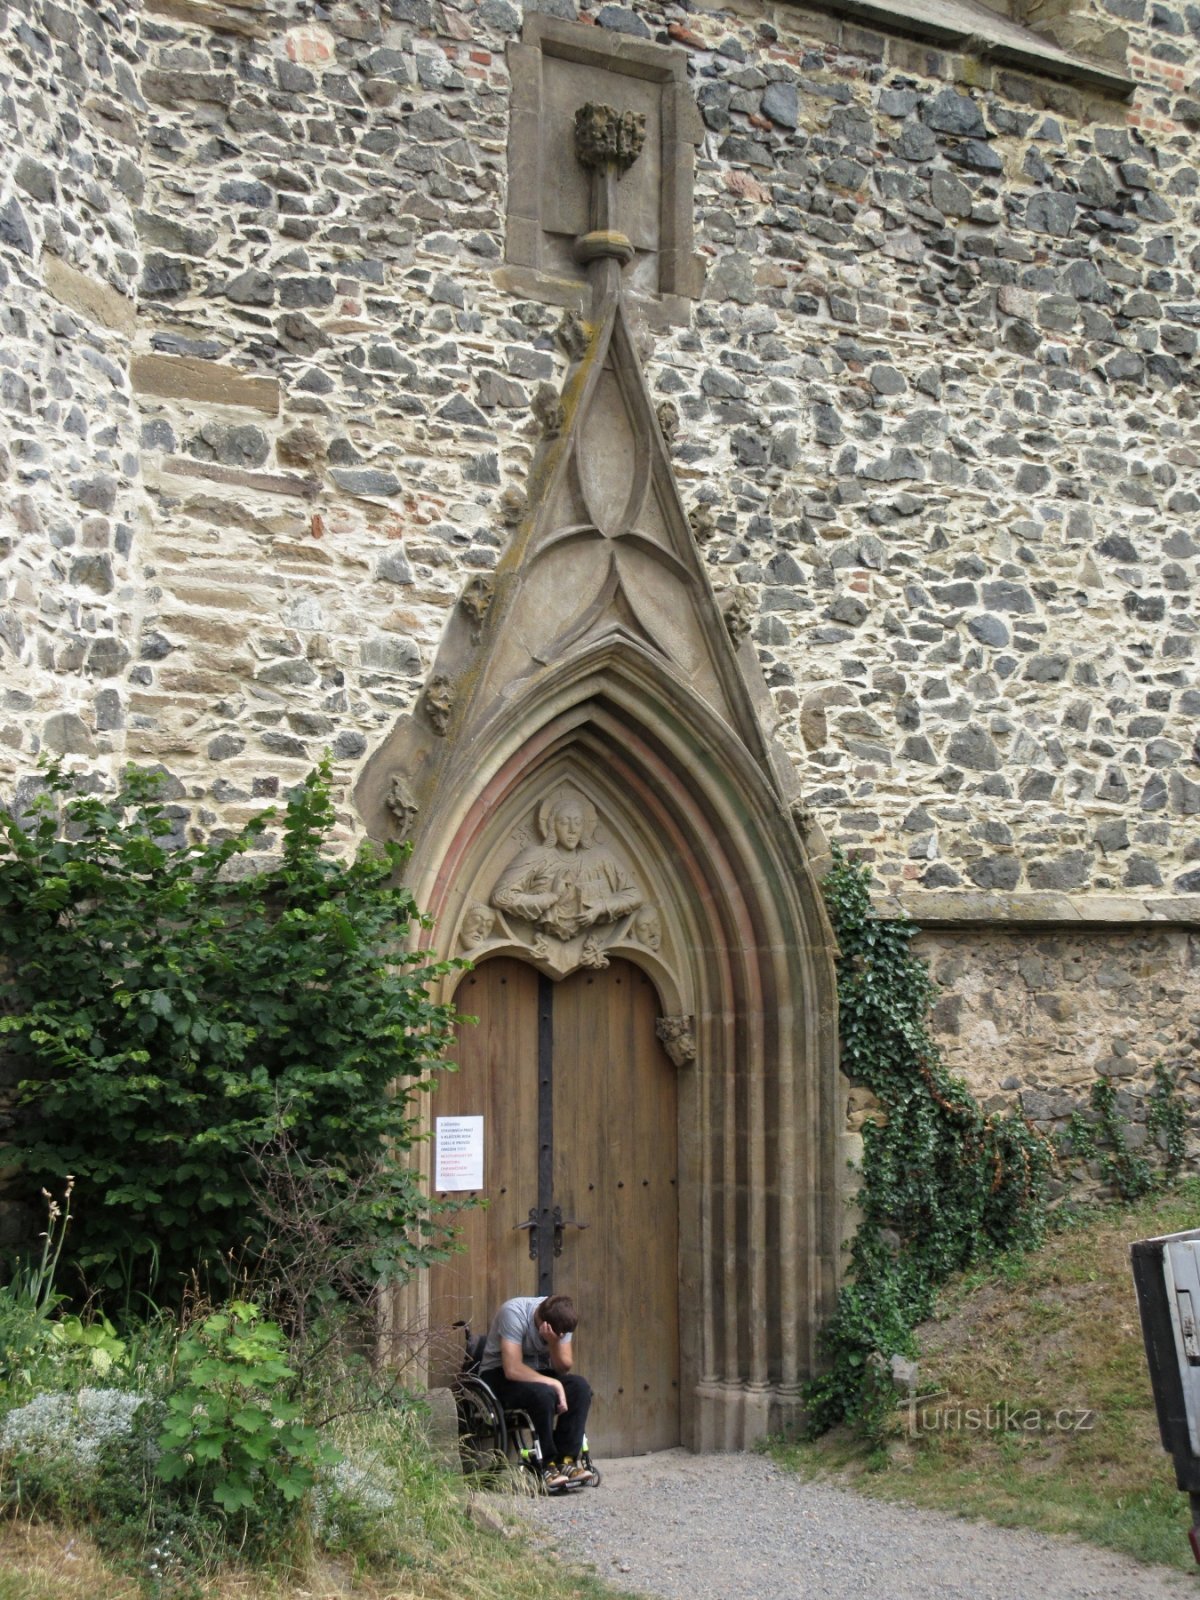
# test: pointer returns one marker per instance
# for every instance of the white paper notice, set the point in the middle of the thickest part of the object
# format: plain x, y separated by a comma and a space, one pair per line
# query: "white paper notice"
459, 1153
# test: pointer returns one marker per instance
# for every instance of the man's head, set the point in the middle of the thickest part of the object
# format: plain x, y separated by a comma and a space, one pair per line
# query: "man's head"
558, 1312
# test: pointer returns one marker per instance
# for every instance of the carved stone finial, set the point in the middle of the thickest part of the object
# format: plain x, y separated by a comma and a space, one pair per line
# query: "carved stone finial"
678, 1039
606, 137
739, 613
439, 702
667, 413
549, 410
476, 599
592, 955
512, 506
702, 522
572, 335
403, 807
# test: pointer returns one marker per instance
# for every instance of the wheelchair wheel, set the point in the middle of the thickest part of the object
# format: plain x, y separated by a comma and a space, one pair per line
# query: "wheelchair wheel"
523, 1448
482, 1436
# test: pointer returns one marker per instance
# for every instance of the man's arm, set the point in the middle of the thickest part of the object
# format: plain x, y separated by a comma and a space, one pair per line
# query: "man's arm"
516, 1370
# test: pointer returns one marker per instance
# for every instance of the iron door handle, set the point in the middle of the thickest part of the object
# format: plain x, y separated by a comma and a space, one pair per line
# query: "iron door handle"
561, 1222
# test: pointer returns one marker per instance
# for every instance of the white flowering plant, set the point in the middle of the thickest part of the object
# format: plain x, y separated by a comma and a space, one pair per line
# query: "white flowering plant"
353, 1497
70, 1429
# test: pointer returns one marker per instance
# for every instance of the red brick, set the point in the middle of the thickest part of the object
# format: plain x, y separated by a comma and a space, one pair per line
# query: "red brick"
683, 35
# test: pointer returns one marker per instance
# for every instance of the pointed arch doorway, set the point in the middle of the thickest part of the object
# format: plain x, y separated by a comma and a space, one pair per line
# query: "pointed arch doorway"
581, 1179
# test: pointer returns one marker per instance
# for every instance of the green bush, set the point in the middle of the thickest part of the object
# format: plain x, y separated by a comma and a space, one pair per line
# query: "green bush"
235, 1434
171, 1017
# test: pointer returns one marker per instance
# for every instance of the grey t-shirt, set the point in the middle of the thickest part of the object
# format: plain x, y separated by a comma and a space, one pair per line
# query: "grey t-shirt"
514, 1321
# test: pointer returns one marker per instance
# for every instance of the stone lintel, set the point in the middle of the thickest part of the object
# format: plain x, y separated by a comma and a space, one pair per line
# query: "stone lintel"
301, 488
980, 32
191, 378
96, 301
640, 58
963, 908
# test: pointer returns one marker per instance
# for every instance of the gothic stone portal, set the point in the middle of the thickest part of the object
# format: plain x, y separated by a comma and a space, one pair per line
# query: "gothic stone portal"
602, 821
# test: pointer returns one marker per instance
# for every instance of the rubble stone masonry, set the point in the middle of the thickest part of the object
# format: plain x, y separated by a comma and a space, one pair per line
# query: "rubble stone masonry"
264, 378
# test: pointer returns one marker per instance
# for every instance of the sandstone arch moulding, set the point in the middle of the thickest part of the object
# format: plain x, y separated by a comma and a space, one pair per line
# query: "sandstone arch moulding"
591, 774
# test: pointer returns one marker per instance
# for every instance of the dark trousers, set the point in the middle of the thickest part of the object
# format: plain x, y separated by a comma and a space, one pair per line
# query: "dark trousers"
559, 1436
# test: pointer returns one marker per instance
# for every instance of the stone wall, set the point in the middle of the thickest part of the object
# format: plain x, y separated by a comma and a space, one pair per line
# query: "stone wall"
264, 382
70, 578
939, 397
1034, 1017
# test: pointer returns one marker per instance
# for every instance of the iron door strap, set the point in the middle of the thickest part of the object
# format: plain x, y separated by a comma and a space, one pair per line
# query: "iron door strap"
543, 1233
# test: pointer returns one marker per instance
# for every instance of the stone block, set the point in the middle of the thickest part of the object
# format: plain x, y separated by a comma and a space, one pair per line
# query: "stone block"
210, 382
273, 483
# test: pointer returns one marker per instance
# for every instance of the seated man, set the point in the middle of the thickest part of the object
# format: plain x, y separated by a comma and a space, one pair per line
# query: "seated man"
527, 1363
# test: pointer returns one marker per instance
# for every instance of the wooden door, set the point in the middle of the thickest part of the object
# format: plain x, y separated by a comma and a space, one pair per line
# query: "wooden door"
579, 1106
496, 1078
615, 1169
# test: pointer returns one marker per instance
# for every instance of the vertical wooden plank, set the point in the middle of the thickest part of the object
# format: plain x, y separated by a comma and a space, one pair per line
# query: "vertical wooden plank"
616, 1169
497, 1078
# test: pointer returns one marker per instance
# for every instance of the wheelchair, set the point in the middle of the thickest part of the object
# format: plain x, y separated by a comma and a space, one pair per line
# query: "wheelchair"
489, 1436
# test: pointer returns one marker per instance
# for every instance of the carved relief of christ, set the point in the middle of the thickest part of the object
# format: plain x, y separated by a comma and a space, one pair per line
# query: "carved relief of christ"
568, 883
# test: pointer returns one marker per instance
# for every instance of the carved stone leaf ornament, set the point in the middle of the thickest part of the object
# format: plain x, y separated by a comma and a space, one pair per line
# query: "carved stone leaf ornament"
667, 413
439, 702
512, 506
678, 1039
403, 807
738, 609
548, 408
804, 818
702, 522
572, 335
476, 599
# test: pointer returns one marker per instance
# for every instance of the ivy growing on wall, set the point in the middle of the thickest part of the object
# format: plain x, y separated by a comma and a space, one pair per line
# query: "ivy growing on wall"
1104, 1140
943, 1183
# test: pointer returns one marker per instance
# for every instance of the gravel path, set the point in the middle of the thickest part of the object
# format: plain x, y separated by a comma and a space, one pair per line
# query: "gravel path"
690, 1527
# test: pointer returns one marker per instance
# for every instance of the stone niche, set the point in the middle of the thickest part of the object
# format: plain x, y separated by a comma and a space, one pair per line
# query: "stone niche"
555, 68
